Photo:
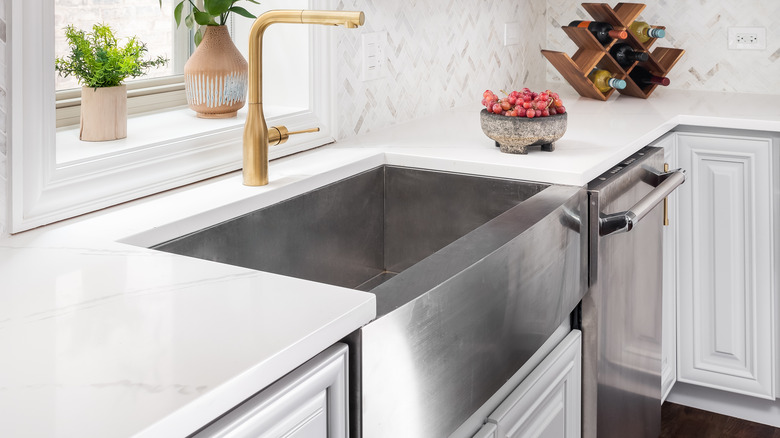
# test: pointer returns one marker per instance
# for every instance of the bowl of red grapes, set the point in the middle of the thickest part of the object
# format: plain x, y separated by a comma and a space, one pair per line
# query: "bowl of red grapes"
523, 118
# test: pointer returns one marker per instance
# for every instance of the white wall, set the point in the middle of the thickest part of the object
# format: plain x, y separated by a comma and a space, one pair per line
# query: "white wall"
4, 162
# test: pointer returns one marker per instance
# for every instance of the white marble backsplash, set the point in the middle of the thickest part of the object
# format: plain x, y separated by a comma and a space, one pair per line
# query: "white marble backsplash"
440, 54
701, 28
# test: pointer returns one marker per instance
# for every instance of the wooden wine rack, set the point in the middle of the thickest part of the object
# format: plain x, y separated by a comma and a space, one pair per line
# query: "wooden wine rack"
591, 53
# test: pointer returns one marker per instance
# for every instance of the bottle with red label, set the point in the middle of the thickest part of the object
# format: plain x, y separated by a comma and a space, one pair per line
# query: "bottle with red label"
604, 32
644, 78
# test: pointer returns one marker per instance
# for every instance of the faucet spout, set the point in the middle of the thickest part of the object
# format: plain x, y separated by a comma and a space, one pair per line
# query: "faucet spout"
256, 132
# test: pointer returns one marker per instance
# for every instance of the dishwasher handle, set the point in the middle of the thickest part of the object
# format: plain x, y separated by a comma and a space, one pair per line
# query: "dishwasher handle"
625, 220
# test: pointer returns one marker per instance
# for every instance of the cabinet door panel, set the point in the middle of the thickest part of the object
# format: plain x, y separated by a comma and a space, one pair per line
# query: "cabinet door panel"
487, 431
310, 402
547, 403
726, 336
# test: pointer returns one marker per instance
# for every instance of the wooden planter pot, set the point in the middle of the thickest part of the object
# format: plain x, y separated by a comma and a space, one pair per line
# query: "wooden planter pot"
103, 113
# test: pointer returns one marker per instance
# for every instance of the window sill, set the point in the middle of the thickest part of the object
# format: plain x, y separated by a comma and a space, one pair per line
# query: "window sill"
152, 130
163, 150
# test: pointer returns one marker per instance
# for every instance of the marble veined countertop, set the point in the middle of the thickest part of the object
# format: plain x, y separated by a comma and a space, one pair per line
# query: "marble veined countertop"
100, 336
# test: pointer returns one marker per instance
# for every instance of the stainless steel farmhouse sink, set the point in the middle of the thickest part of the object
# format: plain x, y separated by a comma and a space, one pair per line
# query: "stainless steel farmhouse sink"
471, 274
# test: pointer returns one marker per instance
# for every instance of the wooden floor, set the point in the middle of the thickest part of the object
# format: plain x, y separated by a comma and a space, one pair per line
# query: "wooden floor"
684, 422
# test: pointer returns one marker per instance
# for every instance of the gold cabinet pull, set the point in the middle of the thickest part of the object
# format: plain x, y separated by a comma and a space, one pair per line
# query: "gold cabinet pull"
666, 201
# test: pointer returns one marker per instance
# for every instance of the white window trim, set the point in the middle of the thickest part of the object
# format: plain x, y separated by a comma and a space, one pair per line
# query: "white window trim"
43, 192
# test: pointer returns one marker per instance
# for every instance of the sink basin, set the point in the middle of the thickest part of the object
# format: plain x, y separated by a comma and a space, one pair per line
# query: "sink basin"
361, 231
471, 275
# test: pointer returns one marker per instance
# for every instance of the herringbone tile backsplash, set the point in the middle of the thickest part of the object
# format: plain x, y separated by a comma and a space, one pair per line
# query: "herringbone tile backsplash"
440, 54
701, 28
444, 53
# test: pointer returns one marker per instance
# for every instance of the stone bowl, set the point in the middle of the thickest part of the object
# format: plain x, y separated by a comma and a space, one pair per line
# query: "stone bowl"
514, 134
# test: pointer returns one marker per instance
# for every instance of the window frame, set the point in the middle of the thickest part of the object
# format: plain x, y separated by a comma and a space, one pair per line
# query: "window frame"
43, 191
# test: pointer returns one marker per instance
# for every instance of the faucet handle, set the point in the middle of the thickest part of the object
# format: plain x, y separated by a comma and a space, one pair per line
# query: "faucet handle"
279, 134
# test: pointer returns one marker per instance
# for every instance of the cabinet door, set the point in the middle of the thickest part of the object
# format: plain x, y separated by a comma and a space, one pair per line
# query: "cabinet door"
310, 402
547, 403
669, 312
726, 334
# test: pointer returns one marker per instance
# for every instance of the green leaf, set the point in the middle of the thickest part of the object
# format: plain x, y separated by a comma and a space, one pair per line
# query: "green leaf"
204, 19
177, 12
241, 11
198, 37
217, 7
190, 21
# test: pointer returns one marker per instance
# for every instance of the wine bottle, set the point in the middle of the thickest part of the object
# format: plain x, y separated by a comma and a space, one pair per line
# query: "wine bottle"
604, 80
604, 32
643, 31
625, 55
644, 78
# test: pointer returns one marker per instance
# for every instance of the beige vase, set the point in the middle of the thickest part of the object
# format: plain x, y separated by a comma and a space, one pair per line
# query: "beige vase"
216, 76
103, 113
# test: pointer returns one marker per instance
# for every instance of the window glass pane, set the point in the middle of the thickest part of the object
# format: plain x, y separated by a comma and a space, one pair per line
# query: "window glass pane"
153, 26
285, 55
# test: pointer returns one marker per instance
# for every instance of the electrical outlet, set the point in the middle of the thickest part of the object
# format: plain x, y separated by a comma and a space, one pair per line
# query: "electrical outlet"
374, 55
747, 38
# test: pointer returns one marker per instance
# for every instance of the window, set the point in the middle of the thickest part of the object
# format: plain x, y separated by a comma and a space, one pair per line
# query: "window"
154, 25
54, 176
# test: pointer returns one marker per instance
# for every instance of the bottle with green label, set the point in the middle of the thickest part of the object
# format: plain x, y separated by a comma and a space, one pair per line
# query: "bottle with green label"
604, 80
644, 32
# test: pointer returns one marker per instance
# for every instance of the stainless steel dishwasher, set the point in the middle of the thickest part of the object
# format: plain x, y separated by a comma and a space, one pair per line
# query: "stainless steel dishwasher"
621, 312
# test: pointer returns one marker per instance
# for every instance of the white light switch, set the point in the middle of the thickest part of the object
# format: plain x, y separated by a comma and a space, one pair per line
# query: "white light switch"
512, 33
374, 55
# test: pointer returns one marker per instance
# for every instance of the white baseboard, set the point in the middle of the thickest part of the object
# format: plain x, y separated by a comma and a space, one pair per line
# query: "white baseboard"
726, 403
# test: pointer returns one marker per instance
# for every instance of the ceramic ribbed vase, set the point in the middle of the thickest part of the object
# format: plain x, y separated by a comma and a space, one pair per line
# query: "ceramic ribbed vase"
216, 76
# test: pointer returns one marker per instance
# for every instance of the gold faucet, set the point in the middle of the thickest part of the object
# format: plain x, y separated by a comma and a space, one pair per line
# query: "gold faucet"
257, 136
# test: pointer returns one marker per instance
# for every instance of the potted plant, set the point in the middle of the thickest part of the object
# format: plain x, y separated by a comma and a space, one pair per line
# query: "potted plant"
216, 75
101, 65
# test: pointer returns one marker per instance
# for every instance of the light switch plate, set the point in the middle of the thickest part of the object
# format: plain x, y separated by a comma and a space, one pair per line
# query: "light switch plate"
512, 33
374, 55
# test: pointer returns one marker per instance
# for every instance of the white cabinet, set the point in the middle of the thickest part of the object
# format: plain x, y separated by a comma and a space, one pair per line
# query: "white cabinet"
726, 254
310, 402
547, 403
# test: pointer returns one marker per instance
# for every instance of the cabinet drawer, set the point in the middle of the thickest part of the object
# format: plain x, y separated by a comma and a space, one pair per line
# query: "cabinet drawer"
309, 402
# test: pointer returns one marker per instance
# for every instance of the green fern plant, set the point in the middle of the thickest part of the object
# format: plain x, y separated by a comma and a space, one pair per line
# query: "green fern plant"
214, 13
97, 60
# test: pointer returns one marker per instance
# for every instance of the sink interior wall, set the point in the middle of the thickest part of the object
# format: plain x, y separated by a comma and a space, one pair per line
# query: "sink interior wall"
362, 229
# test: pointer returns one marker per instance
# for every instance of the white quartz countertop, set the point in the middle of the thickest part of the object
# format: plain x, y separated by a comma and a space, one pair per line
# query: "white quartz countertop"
102, 337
